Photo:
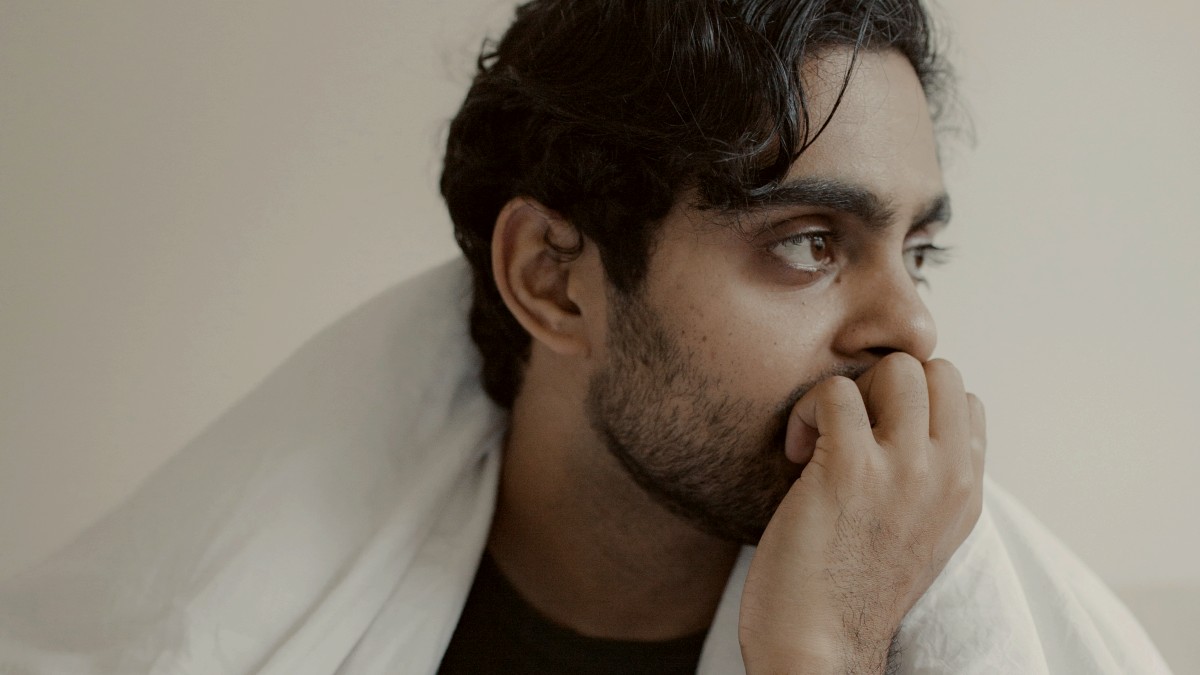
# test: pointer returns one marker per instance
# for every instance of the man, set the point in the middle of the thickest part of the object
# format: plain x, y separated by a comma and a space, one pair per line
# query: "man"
675, 297
695, 232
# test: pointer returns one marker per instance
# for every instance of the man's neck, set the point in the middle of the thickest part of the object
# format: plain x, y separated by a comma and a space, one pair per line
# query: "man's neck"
587, 547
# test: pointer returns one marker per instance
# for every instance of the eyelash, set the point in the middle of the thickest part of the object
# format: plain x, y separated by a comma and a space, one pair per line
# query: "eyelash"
829, 237
932, 255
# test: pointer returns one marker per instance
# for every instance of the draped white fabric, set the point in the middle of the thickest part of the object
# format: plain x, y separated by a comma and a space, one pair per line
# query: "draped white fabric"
331, 522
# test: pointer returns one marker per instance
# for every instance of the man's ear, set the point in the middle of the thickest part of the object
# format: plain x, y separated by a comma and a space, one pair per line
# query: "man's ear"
537, 281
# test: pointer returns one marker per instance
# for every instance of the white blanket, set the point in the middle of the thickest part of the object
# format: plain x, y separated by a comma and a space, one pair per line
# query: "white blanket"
332, 520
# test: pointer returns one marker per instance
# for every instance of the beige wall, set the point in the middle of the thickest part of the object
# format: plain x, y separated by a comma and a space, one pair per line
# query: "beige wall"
189, 190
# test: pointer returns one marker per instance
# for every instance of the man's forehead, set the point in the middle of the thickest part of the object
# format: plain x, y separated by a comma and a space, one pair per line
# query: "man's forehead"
876, 137
855, 82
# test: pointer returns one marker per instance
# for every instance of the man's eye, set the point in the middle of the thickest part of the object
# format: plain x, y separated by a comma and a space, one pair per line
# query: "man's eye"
917, 258
810, 250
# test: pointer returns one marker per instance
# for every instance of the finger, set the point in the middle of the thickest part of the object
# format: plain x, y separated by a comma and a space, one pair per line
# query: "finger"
978, 432
949, 414
832, 410
897, 401
978, 450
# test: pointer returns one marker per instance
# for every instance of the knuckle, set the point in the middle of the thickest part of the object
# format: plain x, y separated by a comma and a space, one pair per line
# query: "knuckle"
900, 374
978, 444
852, 412
874, 469
901, 362
963, 483
839, 381
976, 403
840, 388
942, 370
916, 471
841, 395
977, 407
913, 401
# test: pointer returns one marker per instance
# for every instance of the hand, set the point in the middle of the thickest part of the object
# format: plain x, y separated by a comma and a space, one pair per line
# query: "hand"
892, 487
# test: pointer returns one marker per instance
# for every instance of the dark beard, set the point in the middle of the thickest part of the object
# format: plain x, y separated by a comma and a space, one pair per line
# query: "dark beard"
713, 460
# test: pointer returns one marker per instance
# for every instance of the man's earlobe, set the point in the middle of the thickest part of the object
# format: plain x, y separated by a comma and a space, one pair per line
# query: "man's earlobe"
534, 254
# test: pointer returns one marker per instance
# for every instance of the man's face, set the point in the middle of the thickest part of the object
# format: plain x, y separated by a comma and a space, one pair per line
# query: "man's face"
740, 314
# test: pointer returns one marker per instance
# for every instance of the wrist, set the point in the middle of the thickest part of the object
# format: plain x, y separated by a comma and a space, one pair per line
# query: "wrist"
817, 655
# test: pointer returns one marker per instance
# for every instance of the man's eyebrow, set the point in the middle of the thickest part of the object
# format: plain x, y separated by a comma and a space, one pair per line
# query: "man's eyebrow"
855, 200
937, 211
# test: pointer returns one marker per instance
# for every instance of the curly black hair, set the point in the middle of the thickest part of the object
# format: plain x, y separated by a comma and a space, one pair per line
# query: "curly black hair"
607, 110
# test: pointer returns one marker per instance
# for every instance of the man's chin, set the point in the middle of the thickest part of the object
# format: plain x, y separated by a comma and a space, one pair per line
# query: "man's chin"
740, 518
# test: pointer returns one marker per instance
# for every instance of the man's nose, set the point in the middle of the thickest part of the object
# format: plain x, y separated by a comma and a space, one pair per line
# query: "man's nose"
886, 314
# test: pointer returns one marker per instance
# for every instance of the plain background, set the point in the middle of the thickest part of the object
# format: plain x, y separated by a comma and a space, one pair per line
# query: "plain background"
188, 191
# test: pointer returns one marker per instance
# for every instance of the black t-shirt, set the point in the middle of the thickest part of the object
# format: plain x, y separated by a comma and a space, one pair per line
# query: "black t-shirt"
501, 633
